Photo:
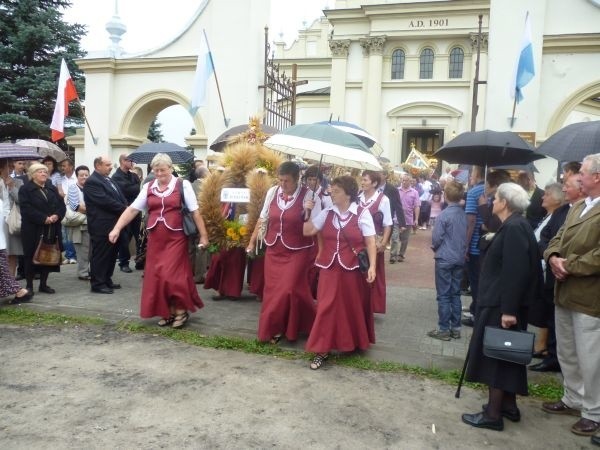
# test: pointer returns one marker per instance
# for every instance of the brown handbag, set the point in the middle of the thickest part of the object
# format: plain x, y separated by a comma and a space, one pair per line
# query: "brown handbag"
47, 252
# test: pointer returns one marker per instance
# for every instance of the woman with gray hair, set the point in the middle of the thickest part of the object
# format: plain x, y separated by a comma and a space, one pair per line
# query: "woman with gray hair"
510, 279
168, 290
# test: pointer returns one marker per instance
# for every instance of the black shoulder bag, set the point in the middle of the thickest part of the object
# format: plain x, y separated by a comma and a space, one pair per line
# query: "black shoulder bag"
189, 226
363, 256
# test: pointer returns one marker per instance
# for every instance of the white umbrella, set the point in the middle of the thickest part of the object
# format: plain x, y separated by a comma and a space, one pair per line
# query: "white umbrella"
44, 148
324, 143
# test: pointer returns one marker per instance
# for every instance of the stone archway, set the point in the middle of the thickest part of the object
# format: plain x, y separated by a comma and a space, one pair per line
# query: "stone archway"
140, 114
562, 112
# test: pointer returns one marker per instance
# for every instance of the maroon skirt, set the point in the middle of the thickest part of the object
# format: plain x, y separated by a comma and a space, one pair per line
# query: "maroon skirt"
344, 319
288, 306
256, 267
377, 291
168, 278
226, 272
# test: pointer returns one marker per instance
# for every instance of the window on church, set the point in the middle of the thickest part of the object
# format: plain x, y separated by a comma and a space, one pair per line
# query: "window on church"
457, 57
398, 65
426, 64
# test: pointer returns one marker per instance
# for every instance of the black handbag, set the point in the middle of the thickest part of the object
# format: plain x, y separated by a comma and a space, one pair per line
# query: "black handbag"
508, 345
363, 256
188, 224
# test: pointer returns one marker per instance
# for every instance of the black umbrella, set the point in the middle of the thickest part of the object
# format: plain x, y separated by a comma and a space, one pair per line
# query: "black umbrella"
573, 142
487, 148
220, 142
144, 153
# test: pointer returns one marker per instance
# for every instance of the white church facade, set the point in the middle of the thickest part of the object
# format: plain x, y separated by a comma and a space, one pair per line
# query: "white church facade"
404, 70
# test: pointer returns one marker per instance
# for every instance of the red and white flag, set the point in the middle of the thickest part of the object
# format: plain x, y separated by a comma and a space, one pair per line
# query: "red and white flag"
66, 93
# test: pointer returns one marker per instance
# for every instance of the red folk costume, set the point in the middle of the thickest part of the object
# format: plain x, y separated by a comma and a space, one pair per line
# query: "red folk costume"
344, 319
168, 277
226, 270
287, 306
378, 289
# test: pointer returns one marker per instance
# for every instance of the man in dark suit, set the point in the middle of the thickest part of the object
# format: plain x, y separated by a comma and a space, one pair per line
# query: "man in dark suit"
129, 184
104, 203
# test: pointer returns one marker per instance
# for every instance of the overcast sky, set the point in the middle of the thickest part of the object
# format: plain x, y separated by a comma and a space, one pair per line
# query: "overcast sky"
144, 17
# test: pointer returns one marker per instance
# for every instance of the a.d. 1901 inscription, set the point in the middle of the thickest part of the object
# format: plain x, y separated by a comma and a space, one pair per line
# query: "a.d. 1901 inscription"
428, 23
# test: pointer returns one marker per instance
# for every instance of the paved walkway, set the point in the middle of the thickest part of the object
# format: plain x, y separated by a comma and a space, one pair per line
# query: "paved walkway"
401, 333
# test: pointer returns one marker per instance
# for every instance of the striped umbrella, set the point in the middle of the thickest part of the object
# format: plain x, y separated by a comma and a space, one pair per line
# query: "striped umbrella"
17, 152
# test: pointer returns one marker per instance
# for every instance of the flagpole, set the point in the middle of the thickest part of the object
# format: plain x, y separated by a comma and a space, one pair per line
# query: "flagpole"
94, 139
216, 79
512, 119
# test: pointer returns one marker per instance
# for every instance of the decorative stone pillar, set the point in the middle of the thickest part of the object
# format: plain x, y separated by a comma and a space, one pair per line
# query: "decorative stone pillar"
374, 47
339, 62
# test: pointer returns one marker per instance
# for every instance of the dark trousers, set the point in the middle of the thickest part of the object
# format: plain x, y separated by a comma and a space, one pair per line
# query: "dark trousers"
103, 256
130, 231
473, 273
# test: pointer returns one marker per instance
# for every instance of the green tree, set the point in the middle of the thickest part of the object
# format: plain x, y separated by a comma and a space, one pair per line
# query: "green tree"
154, 132
33, 39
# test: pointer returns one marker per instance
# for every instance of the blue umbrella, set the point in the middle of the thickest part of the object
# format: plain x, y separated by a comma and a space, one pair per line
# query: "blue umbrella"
144, 153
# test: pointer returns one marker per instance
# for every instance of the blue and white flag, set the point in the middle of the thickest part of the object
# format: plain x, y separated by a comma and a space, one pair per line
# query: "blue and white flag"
524, 69
204, 69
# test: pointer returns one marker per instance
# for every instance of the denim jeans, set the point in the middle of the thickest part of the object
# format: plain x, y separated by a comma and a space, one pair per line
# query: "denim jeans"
447, 286
68, 247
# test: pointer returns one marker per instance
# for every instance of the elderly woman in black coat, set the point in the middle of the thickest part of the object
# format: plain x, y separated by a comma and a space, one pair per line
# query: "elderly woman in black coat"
510, 279
42, 210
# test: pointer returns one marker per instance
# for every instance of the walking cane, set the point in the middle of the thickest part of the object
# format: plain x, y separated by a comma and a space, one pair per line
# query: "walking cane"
462, 375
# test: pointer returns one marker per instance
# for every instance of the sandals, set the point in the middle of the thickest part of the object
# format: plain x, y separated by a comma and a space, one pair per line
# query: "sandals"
318, 361
180, 320
275, 339
168, 321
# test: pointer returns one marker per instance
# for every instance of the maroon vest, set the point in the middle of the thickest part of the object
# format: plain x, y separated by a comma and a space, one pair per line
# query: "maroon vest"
287, 224
336, 244
376, 214
166, 209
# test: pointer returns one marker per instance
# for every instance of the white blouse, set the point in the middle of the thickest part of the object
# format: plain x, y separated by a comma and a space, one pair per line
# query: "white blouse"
141, 202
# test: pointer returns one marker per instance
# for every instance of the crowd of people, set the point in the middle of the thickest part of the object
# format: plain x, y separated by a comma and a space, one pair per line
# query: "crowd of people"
530, 255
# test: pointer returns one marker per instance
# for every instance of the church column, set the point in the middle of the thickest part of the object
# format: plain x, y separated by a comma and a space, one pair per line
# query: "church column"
373, 99
339, 63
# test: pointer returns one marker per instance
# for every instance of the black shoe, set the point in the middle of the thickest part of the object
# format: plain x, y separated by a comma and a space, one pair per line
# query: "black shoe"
102, 290
467, 322
24, 298
86, 278
545, 366
47, 290
513, 416
20, 277
126, 269
596, 440
540, 355
114, 286
479, 420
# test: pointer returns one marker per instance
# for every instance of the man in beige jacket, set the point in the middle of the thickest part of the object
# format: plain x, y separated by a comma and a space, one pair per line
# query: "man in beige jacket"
574, 257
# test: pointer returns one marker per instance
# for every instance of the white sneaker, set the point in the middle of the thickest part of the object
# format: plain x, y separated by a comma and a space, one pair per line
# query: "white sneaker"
468, 315
72, 261
65, 261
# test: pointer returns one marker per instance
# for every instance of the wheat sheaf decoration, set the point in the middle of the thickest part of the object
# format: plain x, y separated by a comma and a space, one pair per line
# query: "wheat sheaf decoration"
246, 165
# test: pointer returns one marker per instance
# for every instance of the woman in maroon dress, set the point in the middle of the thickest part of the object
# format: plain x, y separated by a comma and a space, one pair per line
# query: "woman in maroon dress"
288, 305
344, 318
168, 290
378, 205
